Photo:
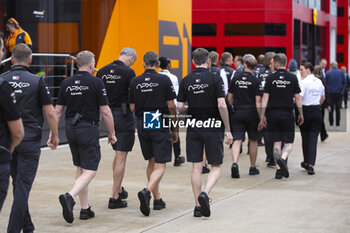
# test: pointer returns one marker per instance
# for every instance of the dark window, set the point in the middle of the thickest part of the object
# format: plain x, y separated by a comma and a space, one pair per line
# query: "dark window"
340, 39
255, 29
256, 51
340, 12
340, 57
204, 29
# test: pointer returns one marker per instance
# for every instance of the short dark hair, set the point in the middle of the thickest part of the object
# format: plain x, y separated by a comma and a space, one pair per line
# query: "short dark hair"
239, 58
200, 56
309, 66
267, 59
251, 63
225, 56
214, 56
281, 59
164, 62
21, 53
151, 59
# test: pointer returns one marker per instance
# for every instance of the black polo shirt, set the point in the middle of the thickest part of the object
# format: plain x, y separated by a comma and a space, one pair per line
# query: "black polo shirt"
8, 112
150, 91
245, 87
83, 93
201, 89
31, 94
281, 86
116, 78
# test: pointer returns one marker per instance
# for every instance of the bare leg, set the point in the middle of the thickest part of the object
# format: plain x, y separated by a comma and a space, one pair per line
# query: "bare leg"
154, 179
118, 172
253, 151
80, 187
277, 150
236, 147
286, 150
212, 178
196, 180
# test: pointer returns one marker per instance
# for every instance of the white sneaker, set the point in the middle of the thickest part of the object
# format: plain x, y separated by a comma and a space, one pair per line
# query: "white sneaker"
337, 128
331, 127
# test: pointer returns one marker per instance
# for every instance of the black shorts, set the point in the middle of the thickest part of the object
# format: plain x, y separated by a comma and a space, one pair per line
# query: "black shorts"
245, 121
280, 125
212, 141
124, 126
4, 181
83, 140
155, 143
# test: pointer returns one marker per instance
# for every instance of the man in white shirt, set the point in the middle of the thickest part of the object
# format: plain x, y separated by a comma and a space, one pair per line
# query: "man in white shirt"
165, 65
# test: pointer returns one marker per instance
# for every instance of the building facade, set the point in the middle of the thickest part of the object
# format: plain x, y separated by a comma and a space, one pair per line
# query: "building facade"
306, 30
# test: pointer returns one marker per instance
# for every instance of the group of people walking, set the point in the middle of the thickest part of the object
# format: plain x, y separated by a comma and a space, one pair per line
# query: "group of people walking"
258, 99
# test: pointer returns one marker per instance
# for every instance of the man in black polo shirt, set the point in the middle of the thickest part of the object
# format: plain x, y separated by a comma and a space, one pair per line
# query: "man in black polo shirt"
32, 96
226, 63
280, 89
11, 131
245, 96
152, 95
85, 96
204, 93
116, 77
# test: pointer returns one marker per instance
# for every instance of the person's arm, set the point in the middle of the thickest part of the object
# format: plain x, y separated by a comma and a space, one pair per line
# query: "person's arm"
323, 98
109, 123
17, 132
230, 98
224, 80
225, 118
132, 107
172, 111
181, 107
264, 101
298, 102
52, 121
258, 104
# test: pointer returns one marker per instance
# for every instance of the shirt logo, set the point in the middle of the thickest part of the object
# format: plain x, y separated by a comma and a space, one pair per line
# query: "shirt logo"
198, 80
77, 82
281, 77
151, 120
76, 90
112, 71
111, 78
13, 96
146, 87
281, 83
244, 78
15, 77
19, 85
147, 79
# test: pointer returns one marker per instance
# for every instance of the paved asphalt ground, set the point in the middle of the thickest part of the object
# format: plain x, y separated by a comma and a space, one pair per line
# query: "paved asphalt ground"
301, 203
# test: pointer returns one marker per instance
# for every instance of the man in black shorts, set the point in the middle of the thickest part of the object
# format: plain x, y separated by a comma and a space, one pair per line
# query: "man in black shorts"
11, 131
151, 96
280, 89
116, 77
204, 93
245, 96
32, 97
85, 96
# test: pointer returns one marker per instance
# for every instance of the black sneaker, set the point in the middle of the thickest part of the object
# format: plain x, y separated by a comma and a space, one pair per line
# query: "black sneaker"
204, 202
205, 169
271, 163
254, 171
310, 171
197, 212
116, 203
67, 203
28, 228
85, 214
304, 165
324, 137
283, 165
278, 174
234, 171
159, 204
179, 161
123, 194
144, 196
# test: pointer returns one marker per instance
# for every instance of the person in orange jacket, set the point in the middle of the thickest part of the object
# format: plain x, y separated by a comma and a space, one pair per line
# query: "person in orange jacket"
16, 36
